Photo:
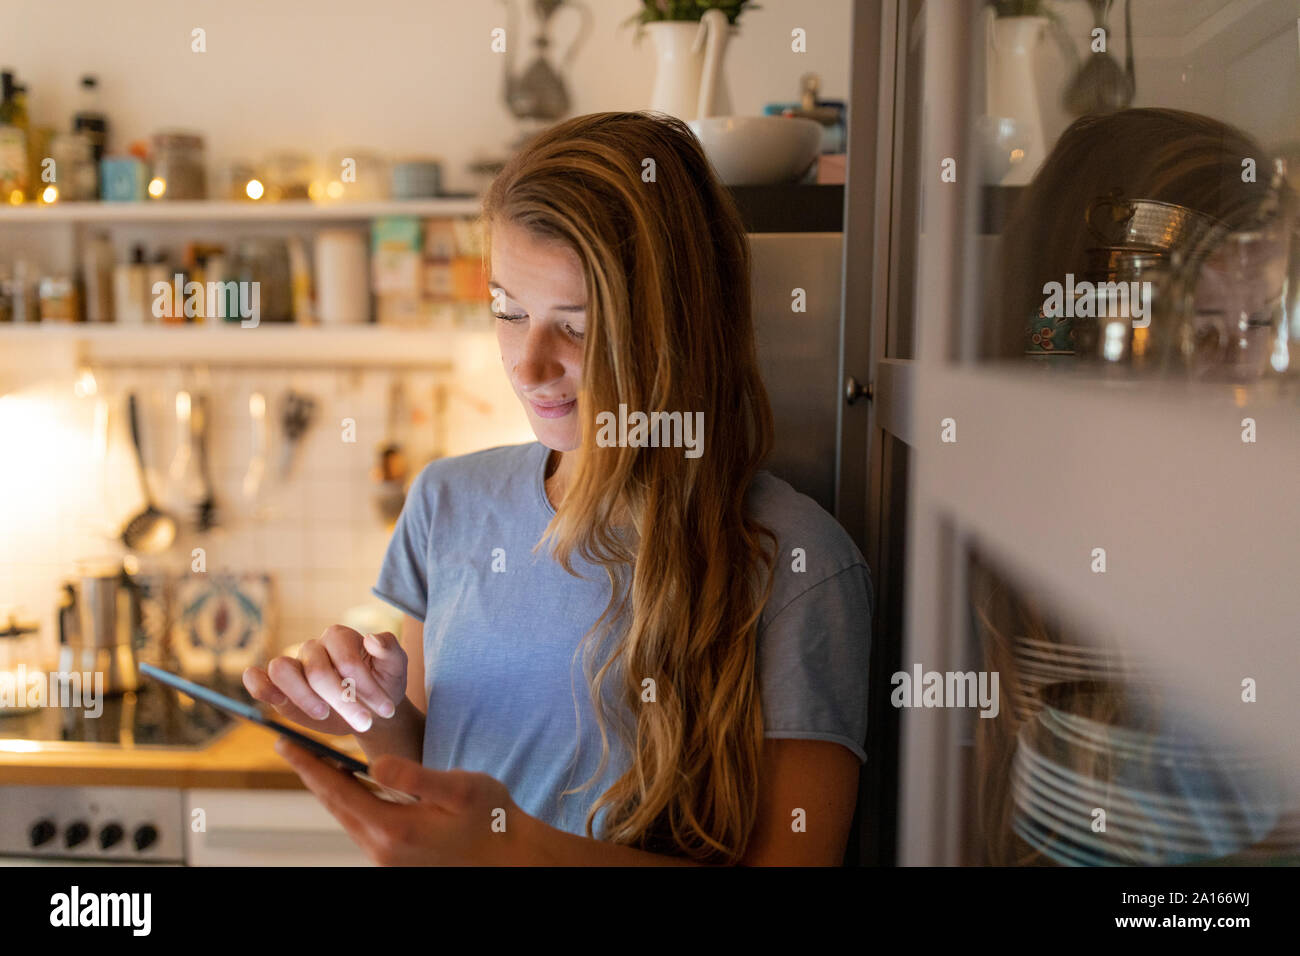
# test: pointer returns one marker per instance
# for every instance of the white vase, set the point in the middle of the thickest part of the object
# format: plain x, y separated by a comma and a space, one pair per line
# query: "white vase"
679, 70
1013, 89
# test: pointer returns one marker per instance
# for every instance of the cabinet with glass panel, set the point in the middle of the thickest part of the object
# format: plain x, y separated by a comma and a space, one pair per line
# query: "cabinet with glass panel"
1085, 352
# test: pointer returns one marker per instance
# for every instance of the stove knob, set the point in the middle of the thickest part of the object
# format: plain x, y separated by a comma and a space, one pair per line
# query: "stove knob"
42, 832
76, 833
111, 835
145, 837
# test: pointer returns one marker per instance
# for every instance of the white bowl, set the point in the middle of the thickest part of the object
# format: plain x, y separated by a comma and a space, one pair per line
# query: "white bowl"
759, 150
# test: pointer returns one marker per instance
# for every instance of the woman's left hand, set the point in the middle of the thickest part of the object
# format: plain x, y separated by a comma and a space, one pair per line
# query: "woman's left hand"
462, 819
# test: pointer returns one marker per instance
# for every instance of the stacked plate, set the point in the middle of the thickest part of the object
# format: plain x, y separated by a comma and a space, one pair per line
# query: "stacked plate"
1041, 664
1170, 794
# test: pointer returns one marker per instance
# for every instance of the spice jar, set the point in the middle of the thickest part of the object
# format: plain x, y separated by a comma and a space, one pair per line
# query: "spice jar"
74, 167
178, 171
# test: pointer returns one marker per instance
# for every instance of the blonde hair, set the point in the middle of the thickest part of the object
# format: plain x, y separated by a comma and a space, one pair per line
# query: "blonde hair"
666, 262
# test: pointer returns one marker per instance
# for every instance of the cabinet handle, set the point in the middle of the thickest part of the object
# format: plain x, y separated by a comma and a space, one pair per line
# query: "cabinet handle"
853, 390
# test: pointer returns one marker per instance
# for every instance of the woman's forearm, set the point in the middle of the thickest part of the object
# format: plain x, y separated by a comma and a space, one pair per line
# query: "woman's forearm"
548, 846
401, 735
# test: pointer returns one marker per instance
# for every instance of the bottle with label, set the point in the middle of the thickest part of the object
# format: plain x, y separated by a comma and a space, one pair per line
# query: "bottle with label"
160, 270
29, 140
14, 166
131, 302
24, 294
91, 120
97, 278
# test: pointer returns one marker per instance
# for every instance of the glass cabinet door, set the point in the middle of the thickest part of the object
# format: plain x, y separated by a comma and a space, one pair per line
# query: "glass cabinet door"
1084, 401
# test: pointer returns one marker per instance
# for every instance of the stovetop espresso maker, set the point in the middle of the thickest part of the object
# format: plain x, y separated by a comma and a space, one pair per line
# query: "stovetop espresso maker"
101, 625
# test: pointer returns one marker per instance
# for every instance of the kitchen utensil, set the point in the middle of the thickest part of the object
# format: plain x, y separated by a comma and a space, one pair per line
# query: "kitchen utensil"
1102, 85
296, 417
182, 461
1146, 223
100, 622
205, 517
105, 525
390, 472
759, 150
539, 92
152, 529
256, 473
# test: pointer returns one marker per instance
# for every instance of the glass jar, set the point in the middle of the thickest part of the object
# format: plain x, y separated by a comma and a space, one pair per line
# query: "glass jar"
1228, 304
59, 300
74, 167
178, 171
290, 175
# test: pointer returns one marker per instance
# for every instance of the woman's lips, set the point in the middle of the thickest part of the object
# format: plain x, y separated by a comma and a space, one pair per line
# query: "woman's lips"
554, 411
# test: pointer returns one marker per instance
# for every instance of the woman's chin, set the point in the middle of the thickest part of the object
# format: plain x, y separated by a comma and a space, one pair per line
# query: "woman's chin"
557, 437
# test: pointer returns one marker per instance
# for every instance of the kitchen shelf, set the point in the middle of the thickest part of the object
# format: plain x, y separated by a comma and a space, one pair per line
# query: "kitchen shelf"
433, 348
783, 208
205, 210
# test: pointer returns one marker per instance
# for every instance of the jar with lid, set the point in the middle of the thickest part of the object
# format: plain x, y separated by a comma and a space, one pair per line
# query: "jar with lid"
74, 167
59, 299
21, 662
178, 171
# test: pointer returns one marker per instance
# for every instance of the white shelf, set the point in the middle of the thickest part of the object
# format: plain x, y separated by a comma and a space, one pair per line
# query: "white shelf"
229, 211
266, 344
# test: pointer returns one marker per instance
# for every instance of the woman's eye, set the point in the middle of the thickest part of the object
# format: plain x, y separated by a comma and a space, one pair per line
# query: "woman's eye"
572, 331
509, 318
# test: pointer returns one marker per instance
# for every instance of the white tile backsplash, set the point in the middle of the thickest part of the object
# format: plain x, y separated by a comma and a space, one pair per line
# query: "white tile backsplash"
319, 532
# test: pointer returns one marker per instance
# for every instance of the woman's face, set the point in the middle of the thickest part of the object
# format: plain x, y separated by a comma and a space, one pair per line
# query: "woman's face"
539, 297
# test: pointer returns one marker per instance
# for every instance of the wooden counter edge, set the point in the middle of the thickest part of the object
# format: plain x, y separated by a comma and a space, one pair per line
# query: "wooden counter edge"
243, 758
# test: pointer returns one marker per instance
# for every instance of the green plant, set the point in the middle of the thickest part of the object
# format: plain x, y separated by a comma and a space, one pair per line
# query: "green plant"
654, 11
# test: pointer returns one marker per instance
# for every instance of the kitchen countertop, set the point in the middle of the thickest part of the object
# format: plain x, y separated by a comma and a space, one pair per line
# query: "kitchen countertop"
242, 758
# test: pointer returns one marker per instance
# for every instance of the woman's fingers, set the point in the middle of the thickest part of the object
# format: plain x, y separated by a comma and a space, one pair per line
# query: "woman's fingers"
325, 678
351, 657
289, 677
388, 659
262, 688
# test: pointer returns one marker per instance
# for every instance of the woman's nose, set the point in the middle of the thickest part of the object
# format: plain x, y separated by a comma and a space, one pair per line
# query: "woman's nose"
540, 362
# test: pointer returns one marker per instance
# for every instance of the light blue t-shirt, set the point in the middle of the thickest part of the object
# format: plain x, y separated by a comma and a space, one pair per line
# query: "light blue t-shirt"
506, 692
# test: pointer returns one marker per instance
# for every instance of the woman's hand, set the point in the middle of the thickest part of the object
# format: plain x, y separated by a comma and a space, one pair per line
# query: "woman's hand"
462, 819
310, 690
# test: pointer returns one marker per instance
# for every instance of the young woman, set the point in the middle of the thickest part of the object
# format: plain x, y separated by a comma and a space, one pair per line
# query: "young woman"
717, 619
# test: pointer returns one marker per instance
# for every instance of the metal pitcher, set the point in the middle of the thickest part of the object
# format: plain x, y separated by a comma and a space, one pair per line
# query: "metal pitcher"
100, 621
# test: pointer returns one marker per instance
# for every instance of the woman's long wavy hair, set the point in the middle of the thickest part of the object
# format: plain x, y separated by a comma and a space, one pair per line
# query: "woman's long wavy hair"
666, 262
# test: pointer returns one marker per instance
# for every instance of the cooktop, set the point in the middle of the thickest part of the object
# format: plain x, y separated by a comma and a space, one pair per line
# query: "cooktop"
154, 716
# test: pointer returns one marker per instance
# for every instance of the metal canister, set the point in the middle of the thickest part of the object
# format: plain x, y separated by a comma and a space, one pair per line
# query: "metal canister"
1121, 282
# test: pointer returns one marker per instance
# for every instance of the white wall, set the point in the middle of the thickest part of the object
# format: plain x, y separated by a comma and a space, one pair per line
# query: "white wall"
394, 76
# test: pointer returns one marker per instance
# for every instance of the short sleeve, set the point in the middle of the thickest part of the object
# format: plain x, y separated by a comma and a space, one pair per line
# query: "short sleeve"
404, 576
813, 659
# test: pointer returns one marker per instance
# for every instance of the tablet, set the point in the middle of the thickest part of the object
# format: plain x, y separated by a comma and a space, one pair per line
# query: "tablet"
231, 706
